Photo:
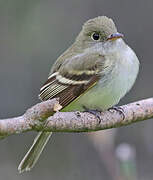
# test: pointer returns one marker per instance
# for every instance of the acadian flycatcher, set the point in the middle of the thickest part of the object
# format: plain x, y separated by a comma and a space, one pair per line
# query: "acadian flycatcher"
95, 72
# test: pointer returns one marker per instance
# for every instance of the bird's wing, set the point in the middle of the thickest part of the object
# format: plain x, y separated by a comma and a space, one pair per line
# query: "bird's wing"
68, 85
64, 89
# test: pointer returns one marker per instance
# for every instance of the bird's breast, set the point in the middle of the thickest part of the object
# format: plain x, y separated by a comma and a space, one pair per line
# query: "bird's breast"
110, 89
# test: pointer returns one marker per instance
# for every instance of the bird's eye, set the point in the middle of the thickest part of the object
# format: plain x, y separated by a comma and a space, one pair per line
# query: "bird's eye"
95, 36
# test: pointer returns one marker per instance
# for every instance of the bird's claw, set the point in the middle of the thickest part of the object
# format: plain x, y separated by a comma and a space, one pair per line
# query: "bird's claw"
95, 112
118, 109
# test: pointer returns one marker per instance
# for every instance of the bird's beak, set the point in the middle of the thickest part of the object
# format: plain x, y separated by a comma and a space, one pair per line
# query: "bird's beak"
115, 36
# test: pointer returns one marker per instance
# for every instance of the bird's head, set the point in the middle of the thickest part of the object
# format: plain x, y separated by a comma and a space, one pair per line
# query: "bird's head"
99, 30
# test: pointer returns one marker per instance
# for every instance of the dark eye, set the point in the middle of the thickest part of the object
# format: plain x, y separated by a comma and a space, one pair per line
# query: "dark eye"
95, 36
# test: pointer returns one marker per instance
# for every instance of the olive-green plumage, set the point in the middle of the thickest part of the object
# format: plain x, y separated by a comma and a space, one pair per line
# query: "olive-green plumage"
95, 72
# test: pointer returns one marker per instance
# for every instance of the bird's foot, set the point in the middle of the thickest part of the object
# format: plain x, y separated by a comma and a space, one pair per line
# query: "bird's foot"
95, 112
118, 109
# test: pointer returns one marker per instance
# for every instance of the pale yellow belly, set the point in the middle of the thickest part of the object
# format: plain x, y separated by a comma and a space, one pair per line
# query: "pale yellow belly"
105, 95
98, 97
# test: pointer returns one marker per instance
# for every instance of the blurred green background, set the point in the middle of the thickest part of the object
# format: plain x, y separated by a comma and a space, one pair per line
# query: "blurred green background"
33, 34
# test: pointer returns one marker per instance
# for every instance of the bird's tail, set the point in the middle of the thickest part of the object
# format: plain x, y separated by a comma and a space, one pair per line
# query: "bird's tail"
34, 152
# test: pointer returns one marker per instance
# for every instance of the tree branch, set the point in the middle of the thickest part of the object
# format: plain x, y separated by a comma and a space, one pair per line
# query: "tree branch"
41, 117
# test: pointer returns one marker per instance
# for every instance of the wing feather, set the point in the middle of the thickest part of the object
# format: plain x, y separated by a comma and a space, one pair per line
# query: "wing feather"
65, 91
71, 76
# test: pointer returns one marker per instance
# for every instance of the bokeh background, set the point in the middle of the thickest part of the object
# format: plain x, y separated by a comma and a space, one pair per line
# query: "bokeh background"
32, 35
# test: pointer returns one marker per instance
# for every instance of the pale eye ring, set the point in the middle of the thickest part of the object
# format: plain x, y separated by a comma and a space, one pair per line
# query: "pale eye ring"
95, 36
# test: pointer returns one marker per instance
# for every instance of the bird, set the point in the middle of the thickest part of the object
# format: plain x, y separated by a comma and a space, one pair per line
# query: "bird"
94, 73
